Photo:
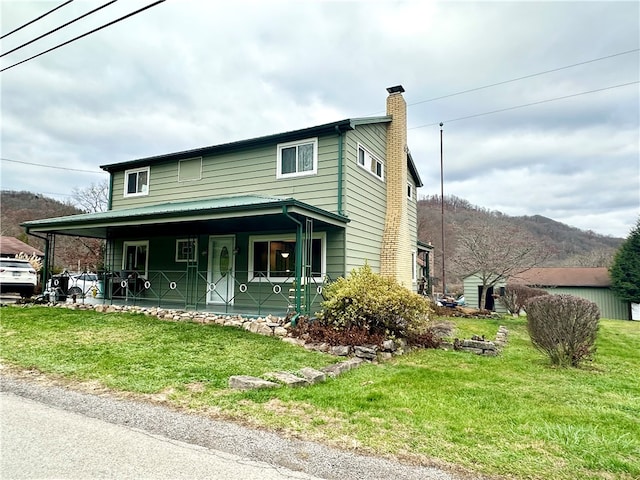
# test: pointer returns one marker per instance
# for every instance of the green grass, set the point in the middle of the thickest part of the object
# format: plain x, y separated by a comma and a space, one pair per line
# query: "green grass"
511, 415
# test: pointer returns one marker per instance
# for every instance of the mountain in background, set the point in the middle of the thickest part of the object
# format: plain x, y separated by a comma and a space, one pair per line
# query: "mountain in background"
571, 246
71, 253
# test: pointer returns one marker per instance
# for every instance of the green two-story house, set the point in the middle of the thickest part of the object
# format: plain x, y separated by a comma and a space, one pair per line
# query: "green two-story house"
259, 225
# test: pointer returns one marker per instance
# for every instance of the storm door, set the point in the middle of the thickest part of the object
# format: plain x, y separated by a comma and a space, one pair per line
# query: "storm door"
220, 287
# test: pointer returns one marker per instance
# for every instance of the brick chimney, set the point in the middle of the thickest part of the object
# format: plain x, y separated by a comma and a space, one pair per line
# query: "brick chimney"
395, 255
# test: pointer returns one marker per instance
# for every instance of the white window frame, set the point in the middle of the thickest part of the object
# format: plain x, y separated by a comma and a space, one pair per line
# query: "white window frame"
194, 252
145, 191
136, 243
409, 191
370, 160
199, 177
322, 236
297, 143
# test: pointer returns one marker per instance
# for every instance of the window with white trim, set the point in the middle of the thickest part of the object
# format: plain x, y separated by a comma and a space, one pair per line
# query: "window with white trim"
370, 163
275, 257
186, 250
409, 191
136, 182
297, 158
135, 257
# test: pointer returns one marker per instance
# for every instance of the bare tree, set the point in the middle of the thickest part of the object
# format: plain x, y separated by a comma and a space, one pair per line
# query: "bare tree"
92, 199
495, 251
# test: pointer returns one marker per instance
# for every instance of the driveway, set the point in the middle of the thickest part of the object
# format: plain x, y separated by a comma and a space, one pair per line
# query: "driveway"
49, 431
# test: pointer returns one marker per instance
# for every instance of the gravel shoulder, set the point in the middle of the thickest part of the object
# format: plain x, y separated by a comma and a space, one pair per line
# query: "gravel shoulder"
298, 455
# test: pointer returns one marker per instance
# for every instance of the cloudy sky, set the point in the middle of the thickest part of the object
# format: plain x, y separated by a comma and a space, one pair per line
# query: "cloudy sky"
555, 132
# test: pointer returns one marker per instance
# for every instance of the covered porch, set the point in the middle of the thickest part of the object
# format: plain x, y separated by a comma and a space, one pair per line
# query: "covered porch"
244, 254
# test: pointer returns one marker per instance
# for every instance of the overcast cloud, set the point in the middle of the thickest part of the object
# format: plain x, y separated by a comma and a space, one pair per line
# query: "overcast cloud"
187, 74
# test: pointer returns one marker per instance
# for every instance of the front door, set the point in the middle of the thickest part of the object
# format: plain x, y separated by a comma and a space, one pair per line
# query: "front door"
220, 286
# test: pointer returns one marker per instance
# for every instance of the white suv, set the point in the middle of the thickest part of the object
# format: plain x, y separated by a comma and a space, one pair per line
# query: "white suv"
17, 276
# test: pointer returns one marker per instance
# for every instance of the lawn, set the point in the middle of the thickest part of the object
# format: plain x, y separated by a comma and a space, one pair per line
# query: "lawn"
511, 415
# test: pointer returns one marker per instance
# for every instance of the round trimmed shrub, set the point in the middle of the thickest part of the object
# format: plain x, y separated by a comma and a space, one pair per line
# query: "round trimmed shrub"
564, 327
368, 301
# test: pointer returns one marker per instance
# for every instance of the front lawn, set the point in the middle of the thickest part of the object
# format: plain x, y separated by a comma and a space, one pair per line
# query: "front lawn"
510, 415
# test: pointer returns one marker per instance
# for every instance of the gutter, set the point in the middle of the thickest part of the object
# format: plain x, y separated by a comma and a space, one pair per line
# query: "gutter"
45, 267
340, 165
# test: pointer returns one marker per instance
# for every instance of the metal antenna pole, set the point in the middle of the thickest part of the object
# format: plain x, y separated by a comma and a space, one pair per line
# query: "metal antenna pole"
444, 285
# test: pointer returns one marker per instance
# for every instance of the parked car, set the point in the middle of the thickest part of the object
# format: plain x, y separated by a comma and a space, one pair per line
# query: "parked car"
84, 285
17, 276
79, 284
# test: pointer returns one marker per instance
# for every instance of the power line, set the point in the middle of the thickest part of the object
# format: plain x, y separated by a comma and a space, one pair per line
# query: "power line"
59, 28
87, 33
525, 77
51, 166
36, 19
517, 79
525, 105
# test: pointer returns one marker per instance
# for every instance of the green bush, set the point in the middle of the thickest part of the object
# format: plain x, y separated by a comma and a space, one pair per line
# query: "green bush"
381, 306
564, 327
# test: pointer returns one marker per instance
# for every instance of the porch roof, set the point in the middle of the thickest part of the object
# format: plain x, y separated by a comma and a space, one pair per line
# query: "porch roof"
223, 209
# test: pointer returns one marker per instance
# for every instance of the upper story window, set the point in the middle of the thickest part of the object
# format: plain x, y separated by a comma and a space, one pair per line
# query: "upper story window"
297, 158
370, 163
136, 182
409, 191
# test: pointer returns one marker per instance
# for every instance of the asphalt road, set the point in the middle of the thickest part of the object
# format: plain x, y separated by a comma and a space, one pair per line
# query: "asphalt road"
53, 432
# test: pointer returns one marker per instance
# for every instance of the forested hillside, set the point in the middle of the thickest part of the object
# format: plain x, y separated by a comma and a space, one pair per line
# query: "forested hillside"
567, 246
71, 253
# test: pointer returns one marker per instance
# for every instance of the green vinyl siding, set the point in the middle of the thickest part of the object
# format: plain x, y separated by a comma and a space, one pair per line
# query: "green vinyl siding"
365, 200
239, 172
610, 306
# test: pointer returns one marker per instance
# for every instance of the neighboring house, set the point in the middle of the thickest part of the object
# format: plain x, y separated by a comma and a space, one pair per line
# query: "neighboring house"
591, 283
10, 247
259, 225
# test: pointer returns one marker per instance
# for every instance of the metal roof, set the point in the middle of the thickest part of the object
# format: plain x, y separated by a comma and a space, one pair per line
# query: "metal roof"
217, 208
324, 129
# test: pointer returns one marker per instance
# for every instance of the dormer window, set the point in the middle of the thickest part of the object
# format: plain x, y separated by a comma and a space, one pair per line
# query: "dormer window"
370, 163
297, 158
136, 182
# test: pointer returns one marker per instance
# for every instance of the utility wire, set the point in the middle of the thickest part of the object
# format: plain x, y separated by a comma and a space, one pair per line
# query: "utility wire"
59, 28
525, 105
52, 166
516, 79
525, 77
36, 19
85, 34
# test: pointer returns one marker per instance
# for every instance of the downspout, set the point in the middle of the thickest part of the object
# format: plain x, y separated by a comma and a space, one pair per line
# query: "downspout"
340, 210
298, 262
110, 201
45, 266
340, 162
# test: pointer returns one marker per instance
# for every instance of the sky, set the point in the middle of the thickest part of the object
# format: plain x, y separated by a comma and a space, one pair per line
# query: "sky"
539, 101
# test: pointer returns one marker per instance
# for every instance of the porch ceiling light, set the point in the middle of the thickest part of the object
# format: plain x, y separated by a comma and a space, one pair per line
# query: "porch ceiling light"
284, 254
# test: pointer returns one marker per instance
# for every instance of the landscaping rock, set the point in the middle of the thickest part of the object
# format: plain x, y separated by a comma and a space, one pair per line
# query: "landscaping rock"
312, 375
366, 352
289, 379
340, 350
246, 382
